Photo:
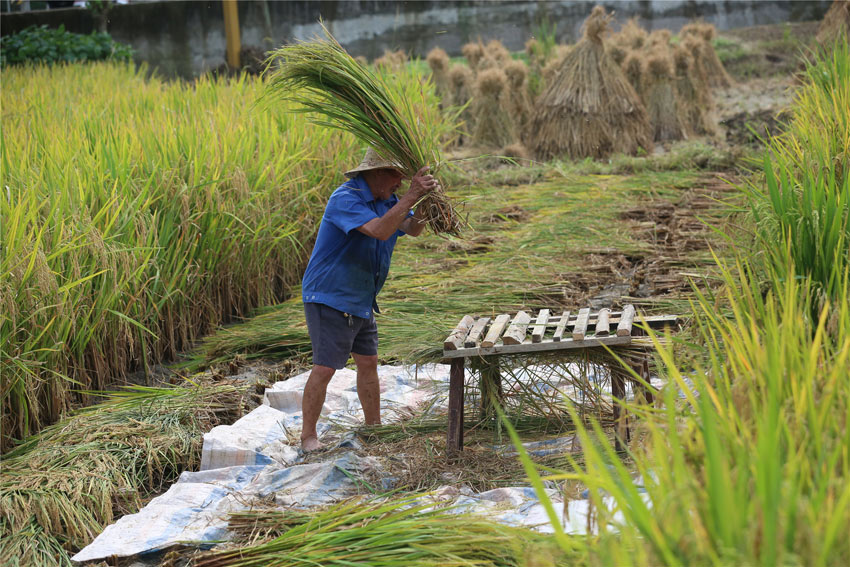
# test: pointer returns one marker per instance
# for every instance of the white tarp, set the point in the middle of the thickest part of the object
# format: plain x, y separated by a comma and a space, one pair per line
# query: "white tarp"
257, 457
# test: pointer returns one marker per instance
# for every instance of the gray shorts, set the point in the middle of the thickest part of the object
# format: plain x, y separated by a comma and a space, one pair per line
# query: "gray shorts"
335, 335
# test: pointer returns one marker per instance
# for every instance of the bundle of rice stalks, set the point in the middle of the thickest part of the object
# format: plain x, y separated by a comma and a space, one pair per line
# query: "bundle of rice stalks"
659, 38
835, 24
438, 61
695, 101
660, 97
496, 56
589, 109
64, 486
518, 101
706, 55
474, 53
617, 53
515, 151
461, 80
631, 35
358, 532
633, 70
493, 125
326, 81
555, 62
392, 60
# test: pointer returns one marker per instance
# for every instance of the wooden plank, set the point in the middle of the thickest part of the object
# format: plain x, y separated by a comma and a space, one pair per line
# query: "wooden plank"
495, 331
562, 325
603, 329
540, 326
528, 346
454, 432
455, 340
516, 332
476, 331
580, 328
624, 327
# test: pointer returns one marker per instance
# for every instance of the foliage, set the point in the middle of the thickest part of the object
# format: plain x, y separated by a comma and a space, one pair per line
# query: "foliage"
40, 44
63, 487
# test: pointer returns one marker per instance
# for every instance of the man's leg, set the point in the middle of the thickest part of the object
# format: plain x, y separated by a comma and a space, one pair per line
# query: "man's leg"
311, 405
368, 387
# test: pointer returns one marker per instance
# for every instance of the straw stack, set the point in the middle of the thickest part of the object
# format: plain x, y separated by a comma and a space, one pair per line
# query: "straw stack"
695, 101
589, 109
493, 124
705, 54
518, 101
438, 61
474, 53
461, 81
660, 96
835, 23
630, 36
633, 70
496, 56
392, 60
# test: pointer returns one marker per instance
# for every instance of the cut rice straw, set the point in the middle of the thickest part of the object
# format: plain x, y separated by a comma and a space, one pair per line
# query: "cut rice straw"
326, 81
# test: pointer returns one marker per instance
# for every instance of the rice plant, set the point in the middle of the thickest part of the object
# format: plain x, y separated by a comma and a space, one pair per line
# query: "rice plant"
60, 489
401, 531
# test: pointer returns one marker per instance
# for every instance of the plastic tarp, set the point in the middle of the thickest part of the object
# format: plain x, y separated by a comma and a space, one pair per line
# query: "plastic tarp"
257, 457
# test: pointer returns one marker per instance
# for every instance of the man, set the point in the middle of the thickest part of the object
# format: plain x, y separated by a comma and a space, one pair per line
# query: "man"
347, 269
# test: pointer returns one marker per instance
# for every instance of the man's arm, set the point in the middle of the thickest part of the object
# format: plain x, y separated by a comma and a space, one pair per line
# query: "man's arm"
384, 227
413, 226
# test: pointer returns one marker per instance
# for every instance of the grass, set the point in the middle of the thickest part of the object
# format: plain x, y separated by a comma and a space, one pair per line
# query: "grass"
64, 486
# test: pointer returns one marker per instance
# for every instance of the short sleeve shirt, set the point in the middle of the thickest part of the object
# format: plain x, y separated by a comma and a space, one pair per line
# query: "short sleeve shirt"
347, 268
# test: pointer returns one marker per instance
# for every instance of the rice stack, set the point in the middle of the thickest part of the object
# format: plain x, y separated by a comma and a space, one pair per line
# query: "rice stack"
474, 53
631, 35
438, 61
633, 70
518, 101
496, 55
695, 101
392, 60
589, 109
661, 98
717, 75
493, 125
835, 24
460, 80
659, 38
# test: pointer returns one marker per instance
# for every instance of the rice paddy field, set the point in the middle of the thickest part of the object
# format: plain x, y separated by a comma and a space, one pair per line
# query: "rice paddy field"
153, 239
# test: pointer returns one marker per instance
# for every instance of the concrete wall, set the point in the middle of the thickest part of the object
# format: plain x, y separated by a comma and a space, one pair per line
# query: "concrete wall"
186, 39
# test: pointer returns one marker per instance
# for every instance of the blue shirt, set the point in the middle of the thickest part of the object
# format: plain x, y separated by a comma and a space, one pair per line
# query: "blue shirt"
348, 268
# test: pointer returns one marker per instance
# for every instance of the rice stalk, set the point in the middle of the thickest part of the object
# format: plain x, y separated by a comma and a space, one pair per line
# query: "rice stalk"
328, 83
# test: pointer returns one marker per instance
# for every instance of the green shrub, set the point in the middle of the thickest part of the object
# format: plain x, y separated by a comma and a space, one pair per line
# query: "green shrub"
45, 45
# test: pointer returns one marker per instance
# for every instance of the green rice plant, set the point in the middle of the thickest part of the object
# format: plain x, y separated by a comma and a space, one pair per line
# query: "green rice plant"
803, 209
135, 216
62, 487
400, 531
403, 125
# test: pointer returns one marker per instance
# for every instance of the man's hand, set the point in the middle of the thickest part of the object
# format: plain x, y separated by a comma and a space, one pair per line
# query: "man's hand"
423, 182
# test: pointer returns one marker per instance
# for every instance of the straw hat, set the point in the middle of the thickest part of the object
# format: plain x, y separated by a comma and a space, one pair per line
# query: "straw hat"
372, 160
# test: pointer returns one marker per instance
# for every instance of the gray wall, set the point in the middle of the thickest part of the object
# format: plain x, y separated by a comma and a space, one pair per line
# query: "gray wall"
187, 38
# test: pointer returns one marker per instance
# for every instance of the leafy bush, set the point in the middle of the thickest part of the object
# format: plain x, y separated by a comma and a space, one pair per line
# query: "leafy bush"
45, 45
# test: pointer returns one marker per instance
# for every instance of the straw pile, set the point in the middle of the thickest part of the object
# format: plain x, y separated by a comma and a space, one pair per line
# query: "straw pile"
474, 53
438, 61
633, 70
695, 101
589, 109
835, 24
460, 81
327, 82
705, 54
661, 98
518, 101
392, 60
493, 124
630, 36
496, 56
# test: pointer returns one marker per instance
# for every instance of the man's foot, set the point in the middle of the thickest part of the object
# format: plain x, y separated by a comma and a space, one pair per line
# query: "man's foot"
310, 444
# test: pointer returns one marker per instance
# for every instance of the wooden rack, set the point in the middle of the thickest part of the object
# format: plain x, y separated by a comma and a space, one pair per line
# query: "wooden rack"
547, 331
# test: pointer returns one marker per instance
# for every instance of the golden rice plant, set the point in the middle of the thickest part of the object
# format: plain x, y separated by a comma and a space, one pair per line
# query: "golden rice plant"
135, 216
